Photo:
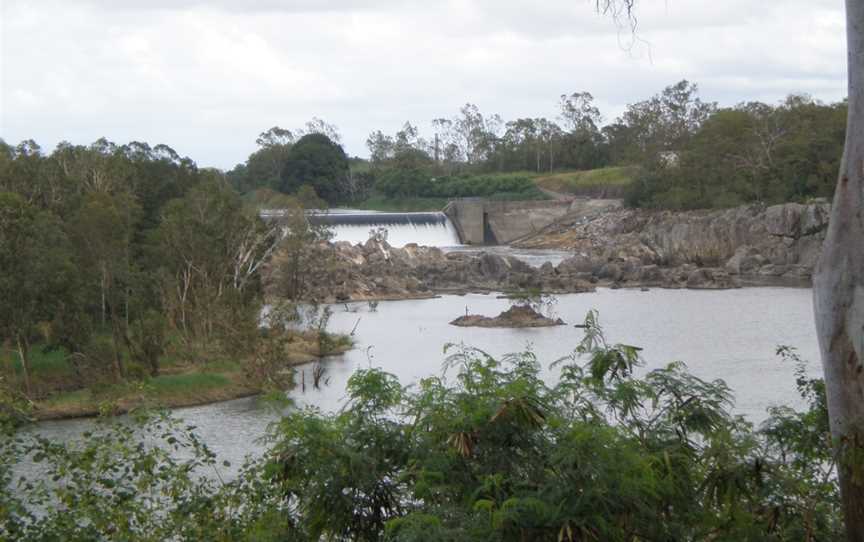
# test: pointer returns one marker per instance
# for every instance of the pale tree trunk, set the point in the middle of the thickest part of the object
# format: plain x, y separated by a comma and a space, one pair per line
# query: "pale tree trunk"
24, 355
838, 292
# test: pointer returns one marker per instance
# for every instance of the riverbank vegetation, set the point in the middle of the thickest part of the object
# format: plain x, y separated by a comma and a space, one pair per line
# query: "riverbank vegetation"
130, 275
672, 150
489, 451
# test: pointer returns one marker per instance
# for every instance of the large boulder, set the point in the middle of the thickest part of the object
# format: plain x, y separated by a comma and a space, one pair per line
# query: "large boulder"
610, 271
577, 264
746, 260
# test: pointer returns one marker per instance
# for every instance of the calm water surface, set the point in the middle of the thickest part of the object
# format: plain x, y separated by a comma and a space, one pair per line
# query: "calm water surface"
730, 334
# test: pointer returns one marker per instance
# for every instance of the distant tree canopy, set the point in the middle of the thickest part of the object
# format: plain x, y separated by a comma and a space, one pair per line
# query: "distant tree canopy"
690, 153
752, 152
315, 160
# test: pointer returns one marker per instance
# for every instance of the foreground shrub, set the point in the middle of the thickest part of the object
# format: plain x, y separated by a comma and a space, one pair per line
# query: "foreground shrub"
492, 452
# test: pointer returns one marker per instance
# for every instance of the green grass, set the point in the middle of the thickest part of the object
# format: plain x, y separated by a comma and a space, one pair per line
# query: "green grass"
588, 182
166, 390
69, 400
179, 385
407, 205
48, 364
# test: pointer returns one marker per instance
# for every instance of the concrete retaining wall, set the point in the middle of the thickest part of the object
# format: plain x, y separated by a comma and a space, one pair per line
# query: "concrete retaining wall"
483, 222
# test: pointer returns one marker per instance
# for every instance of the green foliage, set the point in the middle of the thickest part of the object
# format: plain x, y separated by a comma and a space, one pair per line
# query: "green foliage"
750, 153
317, 161
301, 261
148, 340
401, 204
397, 183
107, 251
211, 250
490, 452
38, 272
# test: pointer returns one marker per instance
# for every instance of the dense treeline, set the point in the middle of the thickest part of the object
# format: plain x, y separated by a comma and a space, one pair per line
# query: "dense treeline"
690, 153
109, 253
749, 153
488, 452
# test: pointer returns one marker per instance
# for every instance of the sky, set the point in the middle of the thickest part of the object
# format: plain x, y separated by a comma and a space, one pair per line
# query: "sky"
206, 77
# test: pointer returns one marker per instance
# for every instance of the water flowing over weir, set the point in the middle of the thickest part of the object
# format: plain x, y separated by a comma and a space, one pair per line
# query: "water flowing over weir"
430, 229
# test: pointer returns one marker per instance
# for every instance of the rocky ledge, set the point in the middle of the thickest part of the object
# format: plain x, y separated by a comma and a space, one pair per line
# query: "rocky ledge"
375, 270
742, 245
516, 316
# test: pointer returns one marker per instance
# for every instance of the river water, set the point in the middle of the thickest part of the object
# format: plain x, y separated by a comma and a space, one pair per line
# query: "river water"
729, 334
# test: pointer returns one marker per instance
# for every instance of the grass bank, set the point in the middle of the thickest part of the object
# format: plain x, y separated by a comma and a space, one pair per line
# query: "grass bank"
602, 182
61, 393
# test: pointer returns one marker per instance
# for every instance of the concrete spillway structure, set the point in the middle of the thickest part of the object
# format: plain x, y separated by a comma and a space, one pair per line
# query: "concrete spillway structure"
430, 229
484, 222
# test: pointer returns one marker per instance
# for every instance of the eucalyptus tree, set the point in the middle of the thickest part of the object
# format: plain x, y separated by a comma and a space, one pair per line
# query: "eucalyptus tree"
211, 253
470, 133
578, 112
838, 291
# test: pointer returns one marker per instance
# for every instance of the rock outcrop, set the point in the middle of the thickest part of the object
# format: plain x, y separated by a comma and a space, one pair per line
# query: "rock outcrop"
516, 316
621, 248
710, 247
375, 270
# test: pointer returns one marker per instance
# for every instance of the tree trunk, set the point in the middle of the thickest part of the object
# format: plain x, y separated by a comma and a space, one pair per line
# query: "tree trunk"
838, 293
24, 354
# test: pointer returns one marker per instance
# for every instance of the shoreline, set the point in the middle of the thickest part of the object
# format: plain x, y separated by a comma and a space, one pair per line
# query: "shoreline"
237, 387
216, 387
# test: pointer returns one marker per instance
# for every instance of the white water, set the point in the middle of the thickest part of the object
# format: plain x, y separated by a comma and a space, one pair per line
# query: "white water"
399, 235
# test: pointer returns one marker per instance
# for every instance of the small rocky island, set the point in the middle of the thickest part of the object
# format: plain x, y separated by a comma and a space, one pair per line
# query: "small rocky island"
516, 316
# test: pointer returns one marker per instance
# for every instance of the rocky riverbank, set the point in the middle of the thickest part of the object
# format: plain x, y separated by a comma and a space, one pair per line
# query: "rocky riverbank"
742, 245
377, 271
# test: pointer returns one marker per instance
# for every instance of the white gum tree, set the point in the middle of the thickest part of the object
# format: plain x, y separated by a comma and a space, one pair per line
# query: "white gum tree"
838, 292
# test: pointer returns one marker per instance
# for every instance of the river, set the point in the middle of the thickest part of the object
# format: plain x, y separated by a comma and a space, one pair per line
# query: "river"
728, 334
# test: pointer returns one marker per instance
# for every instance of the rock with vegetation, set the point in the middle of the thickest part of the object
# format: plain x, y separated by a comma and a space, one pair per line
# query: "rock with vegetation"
516, 316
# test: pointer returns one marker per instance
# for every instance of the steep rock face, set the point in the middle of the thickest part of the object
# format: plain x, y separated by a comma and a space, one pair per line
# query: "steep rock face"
776, 241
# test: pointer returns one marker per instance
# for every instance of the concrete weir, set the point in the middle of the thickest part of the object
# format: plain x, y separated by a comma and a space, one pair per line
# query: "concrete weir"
430, 229
484, 222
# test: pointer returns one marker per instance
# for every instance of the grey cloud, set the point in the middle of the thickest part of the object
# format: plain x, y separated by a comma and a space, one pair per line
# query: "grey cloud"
207, 78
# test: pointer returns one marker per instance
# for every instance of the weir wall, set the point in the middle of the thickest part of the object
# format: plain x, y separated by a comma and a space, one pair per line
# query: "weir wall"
485, 222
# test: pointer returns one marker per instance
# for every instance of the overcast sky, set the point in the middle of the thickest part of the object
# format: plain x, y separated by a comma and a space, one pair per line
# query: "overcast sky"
205, 77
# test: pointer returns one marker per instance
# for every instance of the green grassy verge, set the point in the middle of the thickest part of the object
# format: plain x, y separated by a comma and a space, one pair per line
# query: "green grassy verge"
173, 390
405, 205
181, 382
612, 180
